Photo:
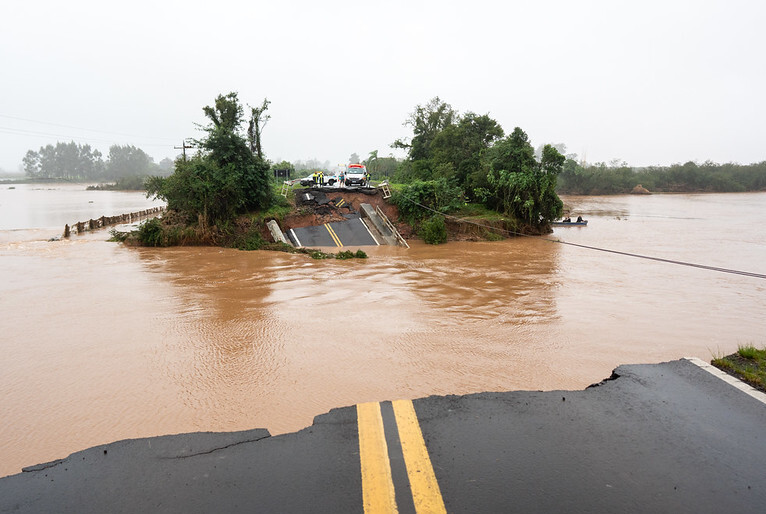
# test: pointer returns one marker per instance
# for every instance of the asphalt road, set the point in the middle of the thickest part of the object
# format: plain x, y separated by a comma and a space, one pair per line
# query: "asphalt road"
352, 232
656, 438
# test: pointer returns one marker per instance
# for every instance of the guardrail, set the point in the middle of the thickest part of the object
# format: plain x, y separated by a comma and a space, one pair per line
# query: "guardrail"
105, 221
391, 227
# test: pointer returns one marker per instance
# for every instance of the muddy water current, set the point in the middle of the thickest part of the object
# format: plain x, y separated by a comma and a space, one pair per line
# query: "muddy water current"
100, 342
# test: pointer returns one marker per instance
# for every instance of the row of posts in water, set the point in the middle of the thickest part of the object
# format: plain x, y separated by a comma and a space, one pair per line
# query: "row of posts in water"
104, 221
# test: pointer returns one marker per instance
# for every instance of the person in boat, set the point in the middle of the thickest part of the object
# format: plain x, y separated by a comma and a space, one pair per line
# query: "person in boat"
579, 219
567, 220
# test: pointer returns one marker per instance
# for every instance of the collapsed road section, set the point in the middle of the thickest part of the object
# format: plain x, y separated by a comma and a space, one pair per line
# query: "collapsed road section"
339, 219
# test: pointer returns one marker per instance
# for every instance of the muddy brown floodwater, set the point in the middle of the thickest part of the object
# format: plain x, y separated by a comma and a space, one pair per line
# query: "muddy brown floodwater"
102, 342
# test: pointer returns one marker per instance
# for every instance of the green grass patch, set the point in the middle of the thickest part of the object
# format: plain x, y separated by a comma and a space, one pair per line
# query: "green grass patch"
748, 364
751, 352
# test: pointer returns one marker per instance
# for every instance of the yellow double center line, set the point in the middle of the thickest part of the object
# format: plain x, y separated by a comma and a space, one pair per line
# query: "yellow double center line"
377, 485
333, 235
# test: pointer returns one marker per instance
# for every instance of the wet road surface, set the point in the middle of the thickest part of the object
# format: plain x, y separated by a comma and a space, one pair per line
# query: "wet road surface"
668, 437
352, 232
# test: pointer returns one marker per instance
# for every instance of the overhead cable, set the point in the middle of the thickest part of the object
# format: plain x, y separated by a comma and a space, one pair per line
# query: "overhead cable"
628, 254
85, 129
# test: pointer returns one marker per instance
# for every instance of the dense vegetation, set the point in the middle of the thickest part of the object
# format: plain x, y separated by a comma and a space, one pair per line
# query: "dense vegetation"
619, 178
226, 177
71, 161
454, 159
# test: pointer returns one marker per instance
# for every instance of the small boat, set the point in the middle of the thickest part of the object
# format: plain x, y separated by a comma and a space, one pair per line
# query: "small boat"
582, 223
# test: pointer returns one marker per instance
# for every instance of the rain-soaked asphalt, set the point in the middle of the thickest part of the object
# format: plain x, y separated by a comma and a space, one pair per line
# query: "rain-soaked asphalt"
669, 437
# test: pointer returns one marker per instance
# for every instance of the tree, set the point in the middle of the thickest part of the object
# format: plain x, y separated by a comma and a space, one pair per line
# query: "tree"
380, 167
372, 162
462, 146
224, 178
225, 115
519, 185
31, 163
257, 122
426, 122
128, 161
354, 159
69, 161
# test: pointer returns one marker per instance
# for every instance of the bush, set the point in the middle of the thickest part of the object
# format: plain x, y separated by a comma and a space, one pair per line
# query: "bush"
419, 199
434, 230
252, 240
151, 233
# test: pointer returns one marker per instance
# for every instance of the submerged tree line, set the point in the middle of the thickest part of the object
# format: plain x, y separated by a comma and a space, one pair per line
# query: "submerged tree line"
73, 161
619, 178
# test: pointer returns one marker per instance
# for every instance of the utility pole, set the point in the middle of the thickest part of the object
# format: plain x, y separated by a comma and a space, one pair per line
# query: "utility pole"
184, 146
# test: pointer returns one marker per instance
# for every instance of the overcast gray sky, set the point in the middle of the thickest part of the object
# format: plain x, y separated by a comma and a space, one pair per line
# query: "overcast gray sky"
650, 82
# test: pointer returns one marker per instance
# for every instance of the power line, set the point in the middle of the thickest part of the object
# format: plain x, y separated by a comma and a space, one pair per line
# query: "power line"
81, 128
35, 133
607, 250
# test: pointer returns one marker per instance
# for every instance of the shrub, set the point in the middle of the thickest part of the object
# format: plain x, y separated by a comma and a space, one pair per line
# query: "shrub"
419, 199
151, 233
434, 230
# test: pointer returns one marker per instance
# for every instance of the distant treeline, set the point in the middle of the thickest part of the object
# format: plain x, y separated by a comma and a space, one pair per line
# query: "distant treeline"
600, 179
71, 161
134, 183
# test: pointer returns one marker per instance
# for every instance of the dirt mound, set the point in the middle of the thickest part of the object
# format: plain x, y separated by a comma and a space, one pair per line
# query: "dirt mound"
640, 190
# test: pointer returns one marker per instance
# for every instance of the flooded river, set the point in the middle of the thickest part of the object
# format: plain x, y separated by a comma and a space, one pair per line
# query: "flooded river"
100, 342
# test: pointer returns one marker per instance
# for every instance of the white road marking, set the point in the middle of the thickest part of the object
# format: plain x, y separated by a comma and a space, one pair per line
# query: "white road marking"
745, 388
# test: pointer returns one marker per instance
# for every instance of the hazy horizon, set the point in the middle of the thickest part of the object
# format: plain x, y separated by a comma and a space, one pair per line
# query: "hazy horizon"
654, 83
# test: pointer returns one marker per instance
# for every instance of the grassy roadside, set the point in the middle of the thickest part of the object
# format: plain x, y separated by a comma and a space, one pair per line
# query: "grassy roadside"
748, 364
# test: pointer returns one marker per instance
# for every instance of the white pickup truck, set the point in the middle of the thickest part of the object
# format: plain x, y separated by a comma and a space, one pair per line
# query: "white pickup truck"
329, 180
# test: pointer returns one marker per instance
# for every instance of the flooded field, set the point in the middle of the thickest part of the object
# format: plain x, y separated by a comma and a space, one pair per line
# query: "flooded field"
102, 342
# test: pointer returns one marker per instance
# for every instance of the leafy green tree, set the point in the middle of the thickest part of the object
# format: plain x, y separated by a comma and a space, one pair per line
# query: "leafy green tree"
462, 146
426, 122
385, 167
224, 178
519, 185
